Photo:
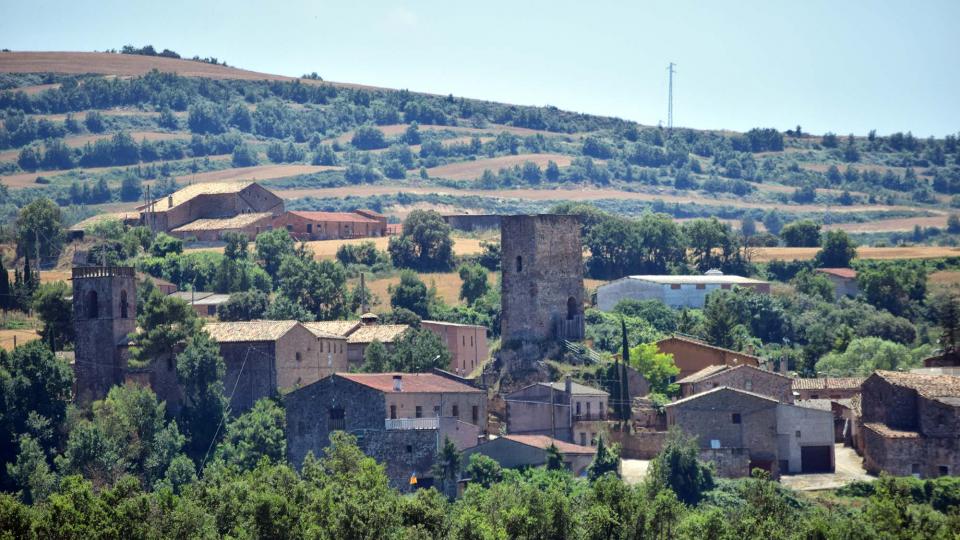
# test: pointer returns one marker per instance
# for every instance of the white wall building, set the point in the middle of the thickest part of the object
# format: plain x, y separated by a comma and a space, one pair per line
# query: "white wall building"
674, 291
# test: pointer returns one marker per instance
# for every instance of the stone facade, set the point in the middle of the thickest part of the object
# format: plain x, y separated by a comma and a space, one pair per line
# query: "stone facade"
844, 281
827, 388
565, 411
744, 377
542, 286
467, 344
207, 201
515, 452
104, 313
691, 355
332, 225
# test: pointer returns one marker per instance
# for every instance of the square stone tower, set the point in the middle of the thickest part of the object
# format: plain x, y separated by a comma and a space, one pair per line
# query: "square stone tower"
104, 313
542, 263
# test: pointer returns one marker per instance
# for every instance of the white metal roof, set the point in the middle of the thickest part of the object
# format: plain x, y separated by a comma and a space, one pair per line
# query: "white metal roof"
718, 279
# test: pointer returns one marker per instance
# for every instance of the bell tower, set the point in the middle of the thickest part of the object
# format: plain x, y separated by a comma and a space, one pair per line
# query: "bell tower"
104, 313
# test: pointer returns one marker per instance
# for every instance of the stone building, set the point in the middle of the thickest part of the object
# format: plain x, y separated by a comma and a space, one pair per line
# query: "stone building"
400, 419
204, 303
692, 355
213, 229
360, 334
332, 225
542, 286
743, 377
844, 281
467, 344
104, 314
263, 357
827, 387
910, 424
567, 411
519, 451
674, 291
222, 201
740, 431
473, 222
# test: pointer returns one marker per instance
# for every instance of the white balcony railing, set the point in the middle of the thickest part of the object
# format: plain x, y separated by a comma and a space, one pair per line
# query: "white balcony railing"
432, 422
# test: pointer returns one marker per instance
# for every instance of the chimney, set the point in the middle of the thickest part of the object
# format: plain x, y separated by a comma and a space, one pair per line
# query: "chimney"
568, 384
398, 383
169, 201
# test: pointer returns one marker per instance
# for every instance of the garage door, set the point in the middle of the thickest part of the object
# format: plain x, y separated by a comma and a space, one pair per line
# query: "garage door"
815, 459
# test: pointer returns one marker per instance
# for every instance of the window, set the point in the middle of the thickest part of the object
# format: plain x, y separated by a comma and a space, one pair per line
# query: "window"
310, 228
409, 448
436, 410
169, 363
588, 408
464, 340
471, 341
701, 286
736, 418
123, 304
338, 419
593, 439
211, 310
298, 357
519, 263
572, 310
748, 385
419, 411
583, 439
915, 470
943, 470
798, 434
456, 411
290, 228
475, 414
578, 408
814, 396
674, 286
393, 412
93, 309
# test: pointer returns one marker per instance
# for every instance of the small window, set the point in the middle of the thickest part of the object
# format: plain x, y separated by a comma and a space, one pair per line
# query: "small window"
290, 228
298, 357
572, 310
475, 414
583, 439
915, 469
419, 411
674, 286
211, 310
409, 448
310, 228
471, 341
169, 363
736, 418
519, 263
464, 340
456, 411
798, 434
93, 307
748, 385
578, 408
393, 412
588, 408
593, 439
701, 286
436, 410
943, 470
814, 396
123, 304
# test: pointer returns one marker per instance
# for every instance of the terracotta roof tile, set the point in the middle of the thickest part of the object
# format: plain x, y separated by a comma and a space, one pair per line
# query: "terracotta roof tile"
701, 395
214, 224
847, 273
337, 328
828, 383
931, 386
384, 333
708, 346
543, 442
242, 331
698, 376
195, 190
577, 389
333, 216
890, 433
411, 383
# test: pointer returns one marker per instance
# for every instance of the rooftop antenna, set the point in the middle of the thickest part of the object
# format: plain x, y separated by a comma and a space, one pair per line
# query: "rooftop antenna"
670, 96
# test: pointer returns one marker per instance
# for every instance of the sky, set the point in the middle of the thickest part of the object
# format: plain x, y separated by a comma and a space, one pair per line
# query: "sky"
843, 66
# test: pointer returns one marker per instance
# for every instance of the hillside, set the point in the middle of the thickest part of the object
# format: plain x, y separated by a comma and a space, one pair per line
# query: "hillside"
92, 130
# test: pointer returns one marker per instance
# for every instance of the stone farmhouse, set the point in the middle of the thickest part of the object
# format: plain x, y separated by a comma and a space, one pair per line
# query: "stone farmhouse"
743, 377
844, 281
212, 208
518, 451
827, 387
400, 419
567, 411
910, 424
332, 225
739, 431
674, 291
692, 355
467, 344
360, 334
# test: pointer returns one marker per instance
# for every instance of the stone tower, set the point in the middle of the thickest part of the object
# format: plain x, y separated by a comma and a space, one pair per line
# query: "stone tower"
542, 293
104, 313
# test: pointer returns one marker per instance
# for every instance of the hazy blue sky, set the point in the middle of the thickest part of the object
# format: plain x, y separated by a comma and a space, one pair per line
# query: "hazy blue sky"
842, 66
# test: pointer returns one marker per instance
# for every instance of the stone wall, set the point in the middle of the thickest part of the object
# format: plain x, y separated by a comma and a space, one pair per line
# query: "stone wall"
467, 344
758, 381
302, 358
542, 265
691, 357
938, 418
728, 462
639, 444
889, 404
251, 373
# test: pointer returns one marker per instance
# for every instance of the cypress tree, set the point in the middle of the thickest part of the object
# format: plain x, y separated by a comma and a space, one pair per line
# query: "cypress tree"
4, 287
624, 409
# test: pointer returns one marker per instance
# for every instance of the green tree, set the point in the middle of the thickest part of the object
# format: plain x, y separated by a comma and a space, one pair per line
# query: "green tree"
284, 309
164, 322
376, 358
894, 287
447, 467
474, 284
607, 460
419, 351
272, 247
656, 367
720, 316
255, 435
31, 473
52, 305
425, 243
813, 284
131, 188
837, 252
40, 229
319, 286
678, 468
6, 293
804, 233
411, 293
484, 470
554, 458
164, 244
244, 156
945, 309
368, 138
200, 371
243, 306
865, 355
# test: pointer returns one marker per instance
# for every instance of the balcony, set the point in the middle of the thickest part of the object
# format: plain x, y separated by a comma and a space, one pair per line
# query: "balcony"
432, 422
337, 424
589, 417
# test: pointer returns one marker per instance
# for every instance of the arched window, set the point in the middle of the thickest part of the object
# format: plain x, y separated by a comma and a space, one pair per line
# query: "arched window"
123, 304
519, 263
93, 309
572, 310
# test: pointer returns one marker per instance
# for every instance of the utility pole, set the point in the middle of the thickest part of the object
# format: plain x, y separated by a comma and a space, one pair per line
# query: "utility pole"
670, 97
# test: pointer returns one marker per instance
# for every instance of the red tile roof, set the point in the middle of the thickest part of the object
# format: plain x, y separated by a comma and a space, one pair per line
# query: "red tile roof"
930, 386
846, 273
411, 383
705, 345
543, 442
828, 383
885, 431
333, 216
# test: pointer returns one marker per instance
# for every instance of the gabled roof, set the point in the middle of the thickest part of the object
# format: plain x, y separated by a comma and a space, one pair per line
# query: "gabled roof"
885, 431
846, 273
930, 386
410, 383
577, 389
719, 389
543, 442
332, 216
162, 204
705, 345
712, 371
701, 279
819, 404
190, 296
828, 383
337, 328
244, 331
384, 333
228, 223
